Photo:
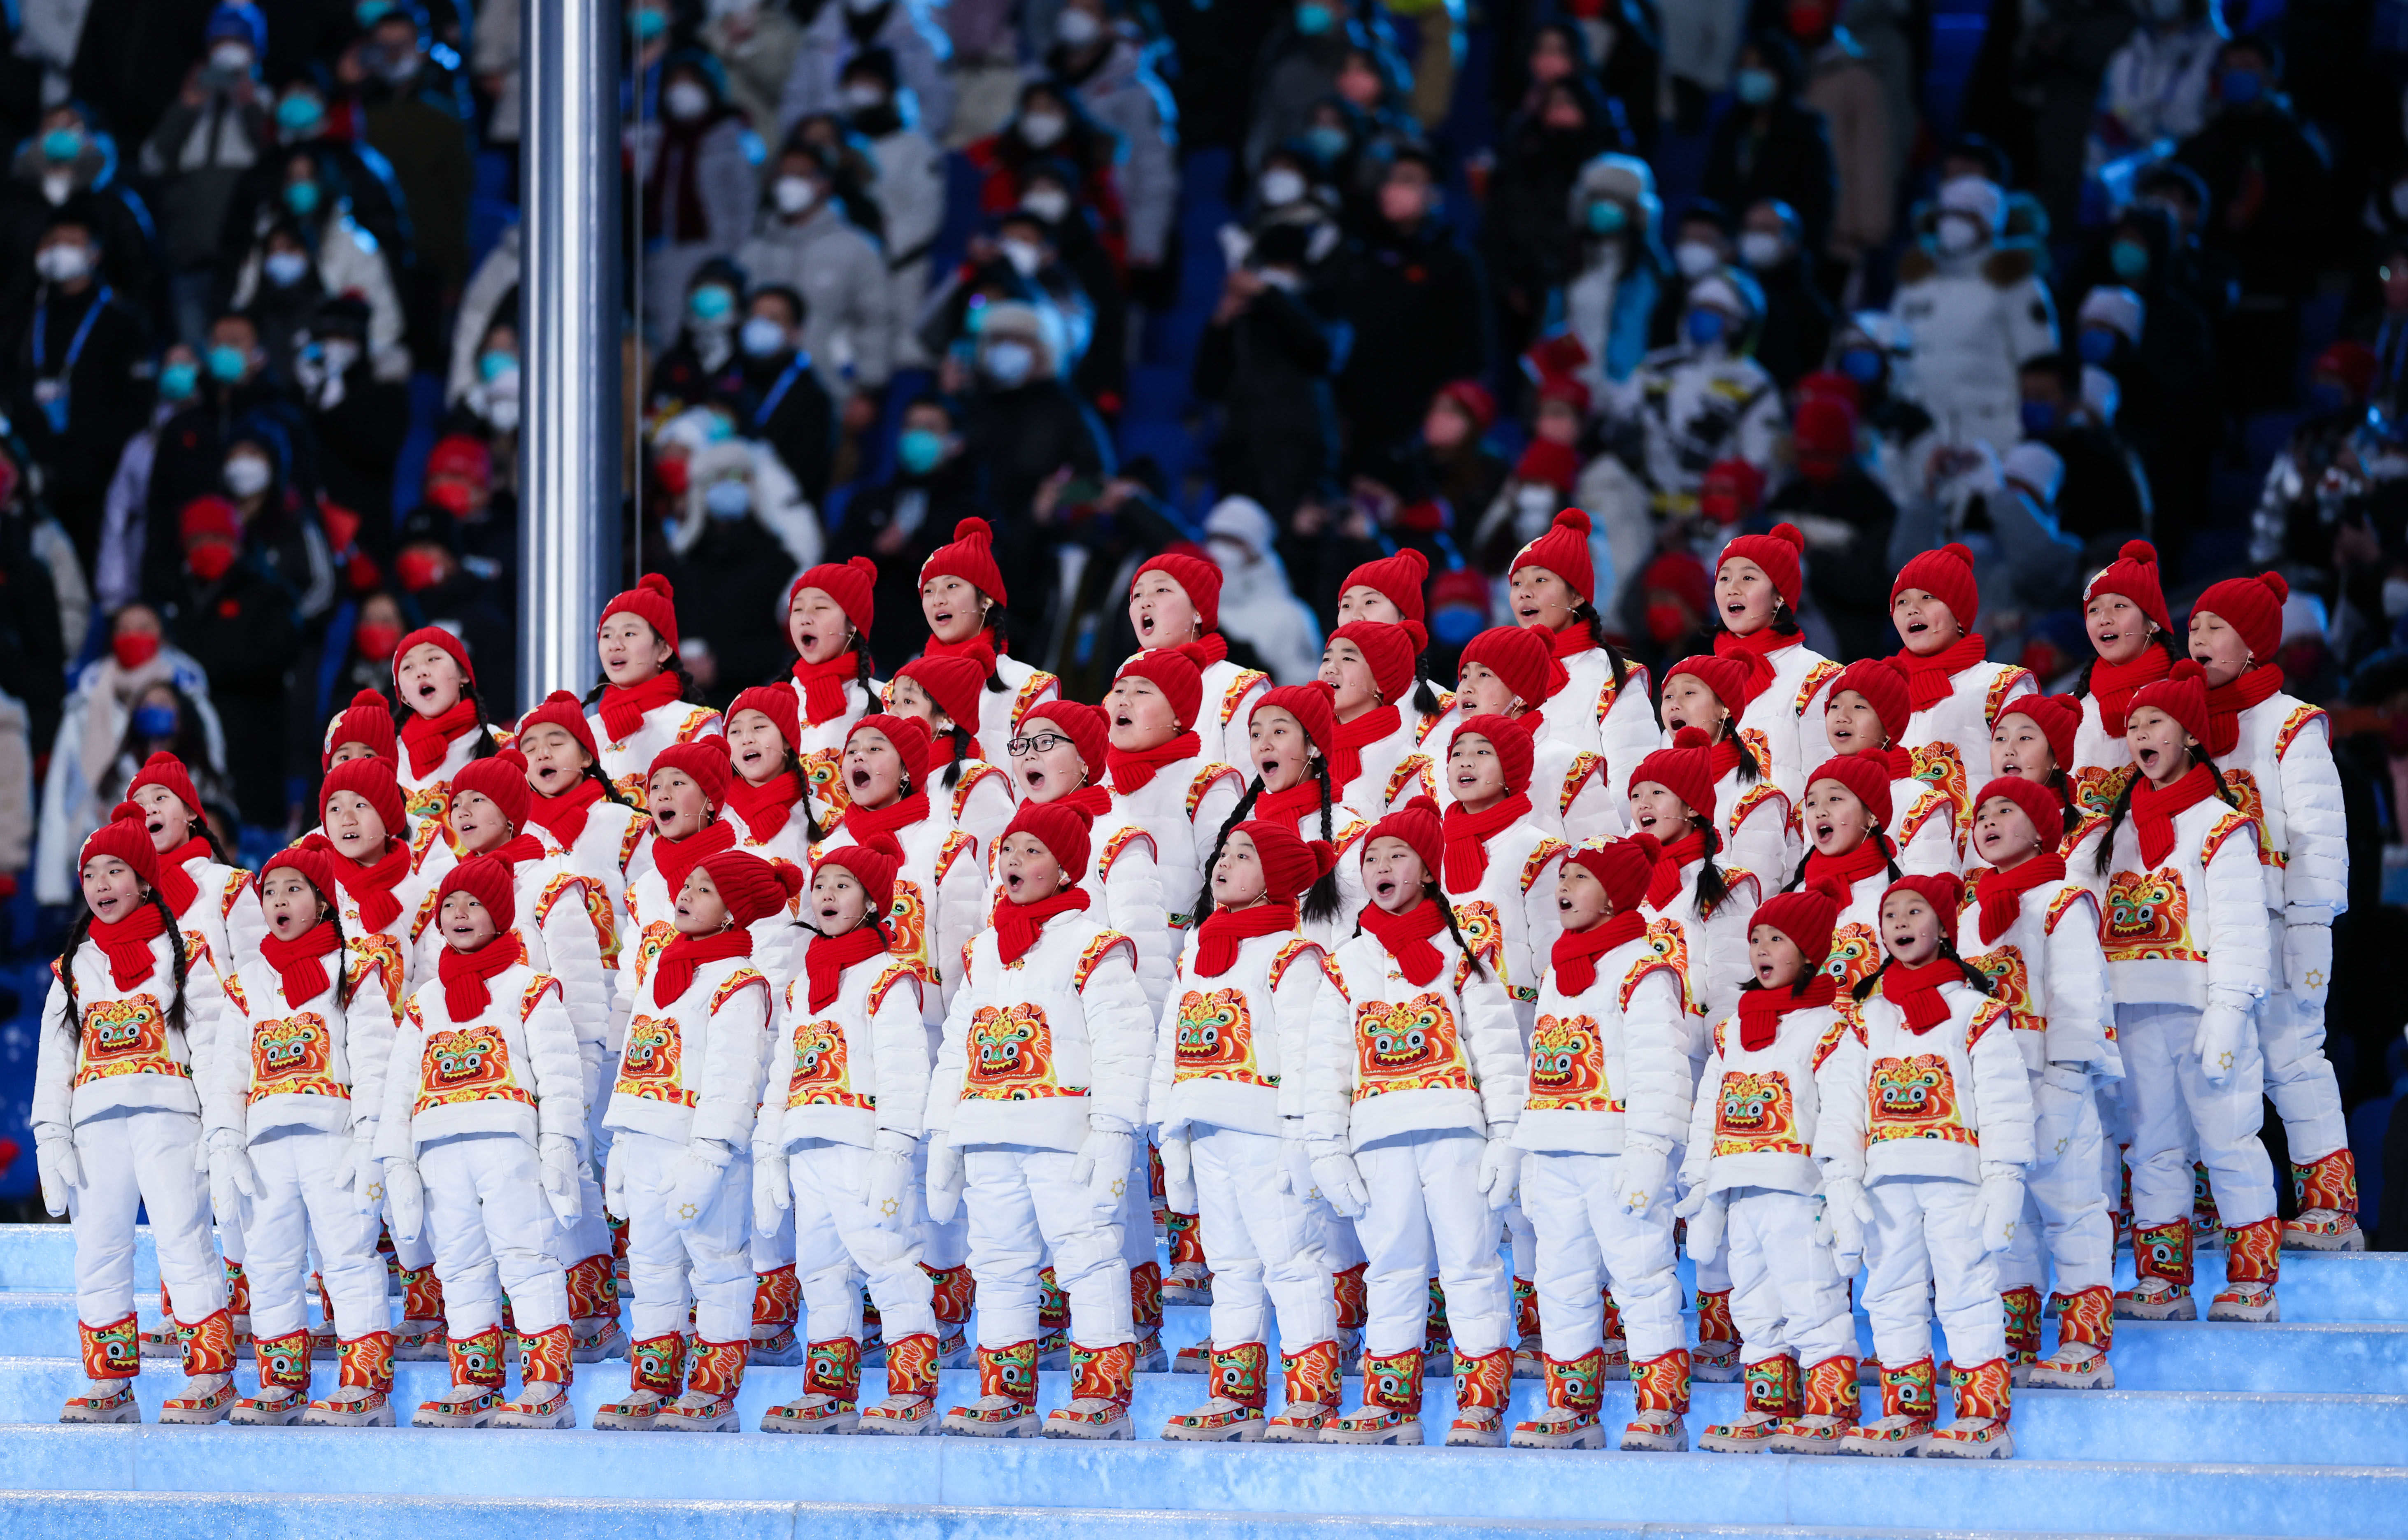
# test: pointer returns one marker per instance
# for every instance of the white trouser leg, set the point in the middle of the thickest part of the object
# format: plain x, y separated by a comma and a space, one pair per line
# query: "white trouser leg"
1136, 1207
300, 1210
485, 1202
2177, 1107
1897, 1280
1263, 1243
1556, 1191
2300, 1079
142, 1161
1777, 1265
1023, 1207
836, 1234
1754, 1243
1931, 1235
711, 1255
2074, 1231
1638, 1261
1426, 1205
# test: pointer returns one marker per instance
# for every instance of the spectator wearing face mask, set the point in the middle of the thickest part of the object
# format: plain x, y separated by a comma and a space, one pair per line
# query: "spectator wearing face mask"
367, 661
280, 531
458, 594
841, 31
1847, 519
1842, 86
700, 189
1051, 219
493, 407
1444, 476
236, 622
774, 394
1612, 292
2103, 497
1770, 146
689, 370
359, 420
215, 128
1543, 482
75, 392
43, 615
1050, 123
899, 522
490, 301
729, 568
308, 248
1291, 189
1259, 608
802, 241
1026, 430
1526, 235
1797, 316
1706, 398
2293, 522
343, 172
756, 44
1974, 310
235, 389
1704, 242
285, 293
460, 480
2156, 85
2148, 331
1414, 298
117, 573
1023, 258
1108, 72
1898, 436
1268, 357
68, 161
1298, 67
415, 113
1676, 609
910, 189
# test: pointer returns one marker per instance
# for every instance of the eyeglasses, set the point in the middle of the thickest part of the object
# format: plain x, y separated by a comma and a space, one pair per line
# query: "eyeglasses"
1044, 742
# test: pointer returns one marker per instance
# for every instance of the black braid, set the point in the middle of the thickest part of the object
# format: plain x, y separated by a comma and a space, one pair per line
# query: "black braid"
486, 745
1583, 611
860, 646
342, 974
1321, 899
609, 788
2105, 860
999, 633
75, 934
961, 736
1203, 903
2162, 637
1750, 772
1439, 896
1982, 982
1713, 889
174, 956
812, 833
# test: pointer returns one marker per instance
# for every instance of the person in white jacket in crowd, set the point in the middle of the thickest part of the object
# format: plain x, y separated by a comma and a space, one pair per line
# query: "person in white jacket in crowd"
642, 706
1511, 672
481, 1134
1954, 692
1758, 581
302, 1057
348, 260
443, 719
910, 191
1258, 604
685, 1103
1175, 604
803, 242
1609, 1100
972, 793
1164, 769
1863, 712
1414, 1081
1705, 398
835, 1147
1033, 1117
1975, 308
1109, 65
838, 34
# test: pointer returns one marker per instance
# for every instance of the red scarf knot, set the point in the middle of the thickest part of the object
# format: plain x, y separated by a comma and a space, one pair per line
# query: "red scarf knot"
2114, 685
1916, 991
1346, 753
2226, 702
1131, 771
175, 885
681, 958
127, 945
564, 816
1407, 937
1664, 881
1577, 951
2154, 812
827, 956
978, 649
865, 824
1756, 650
1760, 1009
823, 685
674, 858
1868, 859
766, 808
464, 974
2001, 891
1468, 834
1017, 925
1928, 680
1574, 639
622, 709
298, 962
1217, 938
370, 884
1094, 799
429, 739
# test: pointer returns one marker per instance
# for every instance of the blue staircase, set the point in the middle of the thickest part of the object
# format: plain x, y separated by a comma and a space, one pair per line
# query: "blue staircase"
2296, 1429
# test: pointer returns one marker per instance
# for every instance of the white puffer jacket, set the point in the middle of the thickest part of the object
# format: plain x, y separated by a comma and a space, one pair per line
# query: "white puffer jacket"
239, 919
302, 1064
2103, 762
512, 1068
1185, 806
1609, 1064
936, 909
1510, 918
1619, 721
1939, 1103
1759, 1110
128, 1054
980, 803
628, 761
846, 1072
427, 798
1231, 1049
1124, 888
1568, 794
562, 919
651, 925
1710, 951
1788, 714
1971, 320
2193, 930
1388, 1056
1399, 766
2283, 771
820, 747
2048, 969
1950, 741
692, 1069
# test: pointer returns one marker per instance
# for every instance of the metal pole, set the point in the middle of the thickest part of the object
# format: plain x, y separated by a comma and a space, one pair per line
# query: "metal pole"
570, 327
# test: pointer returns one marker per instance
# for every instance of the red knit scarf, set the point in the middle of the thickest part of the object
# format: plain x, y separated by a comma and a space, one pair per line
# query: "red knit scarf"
1217, 938
766, 808
827, 956
1300, 801
823, 685
2114, 685
2003, 891
1867, 859
864, 822
1664, 881
1900, 760
622, 709
516, 851
370, 884
1018, 924
175, 883
127, 943
681, 956
1205, 651
564, 816
1574, 639
978, 649
2154, 812
429, 738
1095, 798
2226, 702
1756, 650
674, 858
1468, 834
1722, 755
1917, 990
1760, 1009
1407, 937
298, 962
1346, 753
1131, 771
1928, 680
1577, 951
464, 974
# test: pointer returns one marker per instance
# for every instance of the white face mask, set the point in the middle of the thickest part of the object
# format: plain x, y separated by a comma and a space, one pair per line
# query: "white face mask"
1695, 259
230, 59
1761, 248
1025, 258
1076, 28
64, 263
1282, 187
1050, 204
2395, 597
499, 406
246, 475
864, 96
286, 268
793, 194
1042, 129
760, 336
687, 101
1959, 232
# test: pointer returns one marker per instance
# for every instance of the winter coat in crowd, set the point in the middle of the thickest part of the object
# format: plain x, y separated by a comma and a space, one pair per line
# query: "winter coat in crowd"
1777, 151
420, 131
195, 157
1119, 88
76, 394
844, 29
1270, 367
240, 629
38, 189
850, 329
1416, 302
700, 195
1843, 87
1612, 294
348, 260
779, 400
1972, 318
899, 524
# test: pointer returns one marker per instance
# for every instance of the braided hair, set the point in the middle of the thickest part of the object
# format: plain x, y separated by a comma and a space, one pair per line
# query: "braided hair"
998, 631
1447, 911
961, 738
2105, 860
1320, 902
81, 930
1585, 612
1750, 772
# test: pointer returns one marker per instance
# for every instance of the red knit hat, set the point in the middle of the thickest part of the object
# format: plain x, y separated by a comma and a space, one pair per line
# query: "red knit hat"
970, 557
1563, 550
652, 601
1725, 676
1477, 401
1806, 915
315, 866
1947, 575
752, 889
1313, 706
774, 701
1201, 576
1390, 651
457, 650
1519, 656
1082, 723
563, 710
1883, 687
127, 837
2251, 606
2133, 573
1622, 866
1061, 828
164, 769
912, 739
853, 585
2055, 716
1290, 864
1547, 463
1865, 775
1170, 672
374, 780
1511, 742
1778, 552
2180, 694
1685, 769
368, 720
1399, 577
952, 683
502, 778
1416, 823
2042, 806
209, 517
704, 762
873, 865
488, 880
1940, 889
461, 455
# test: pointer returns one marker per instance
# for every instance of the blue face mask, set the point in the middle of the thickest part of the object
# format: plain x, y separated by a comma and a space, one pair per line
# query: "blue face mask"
298, 115
2095, 344
1754, 87
178, 381
648, 24
369, 12
2039, 418
1607, 217
301, 198
1862, 365
2326, 397
154, 721
727, 499
1313, 19
1327, 141
62, 144
2240, 87
1456, 625
226, 363
919, 450
2131, 260
1705, 327
710, 303
493, 366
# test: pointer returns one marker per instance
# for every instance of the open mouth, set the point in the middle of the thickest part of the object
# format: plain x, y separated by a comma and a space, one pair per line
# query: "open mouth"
2202, 659
807, 641
547, 773
2148, 758
1013, 881
827, 914
665, 823
944, 618
154, 826
1735, 607
426, 690
753, 755
1674, 721
1764, 974
1384, 889
860, 779
1122, 719
1145, 623
1563, 905
1034, 779
1647, 822
1266, 768
1917, 627
108, 908
1466, 780
1822, 833
1525, 613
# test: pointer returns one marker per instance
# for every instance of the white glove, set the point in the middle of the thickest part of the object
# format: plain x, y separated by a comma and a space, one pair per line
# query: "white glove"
1178, 1171
1292, 1156
944, 1182
2000, 1208
2222, 1031
614, 1185
773, 1192
558, 1151
407, 1196
1639, 1176
694, 1180
1102, 1166
2307, 962
889, 1180
1342, 1183
54, 1158
1845, 1213
2057, 1105
230, 1162
1706, 1226
1501, 1170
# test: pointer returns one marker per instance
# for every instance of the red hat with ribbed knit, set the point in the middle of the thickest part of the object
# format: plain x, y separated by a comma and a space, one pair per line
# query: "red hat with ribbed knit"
315, 866
166, 771
1622, 867
752, 889
452, 647
127, 837
2251, 606
1170, 671
1062, 828
1390, 651
1563, 550
1416, 823
1725, 676
1519, 656
2042, 806
488, 880
2133, 573
1399, 578
1806, 915
1198, 575
1509, 738
2180, 694
1865, 775
1290, 863
776, 702
1312, 703
952, 683
853, 585
873, 865
704, 762
503, 779
912, 739
1941, 890
652, 601
1883, 687
1082, 723
2058, 717
1778, 551
1947, 575
970, 557
1685, 769
368, 720
374, 780
564, 711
